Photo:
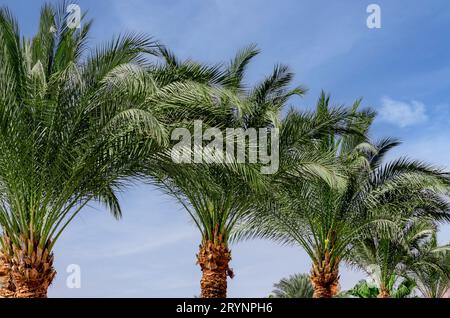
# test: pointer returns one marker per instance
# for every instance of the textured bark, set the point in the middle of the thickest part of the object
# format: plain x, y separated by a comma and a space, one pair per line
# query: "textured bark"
6, 284
384, 293
325, 280
213, 259
30, 268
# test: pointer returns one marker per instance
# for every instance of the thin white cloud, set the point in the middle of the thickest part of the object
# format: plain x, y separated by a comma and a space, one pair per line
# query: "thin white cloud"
144, 243
150, 244
214, 30
402, 113
431, 148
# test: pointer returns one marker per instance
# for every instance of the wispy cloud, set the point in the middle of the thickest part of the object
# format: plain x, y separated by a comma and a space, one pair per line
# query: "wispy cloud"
431, 148
214, 30
402, 113
144, 243
150, 244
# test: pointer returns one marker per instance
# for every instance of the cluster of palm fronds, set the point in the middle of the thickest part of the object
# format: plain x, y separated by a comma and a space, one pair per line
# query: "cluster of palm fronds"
77, 124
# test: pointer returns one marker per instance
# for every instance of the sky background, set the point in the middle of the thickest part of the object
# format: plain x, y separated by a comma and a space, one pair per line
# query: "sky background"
402, 70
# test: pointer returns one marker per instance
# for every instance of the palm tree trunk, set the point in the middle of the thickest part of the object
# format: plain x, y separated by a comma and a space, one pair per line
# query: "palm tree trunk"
213, 259
30, 268
384, 293
325, 280
6, 285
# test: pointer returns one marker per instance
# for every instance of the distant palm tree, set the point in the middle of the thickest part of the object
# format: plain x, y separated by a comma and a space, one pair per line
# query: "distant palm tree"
325, 219
295, 286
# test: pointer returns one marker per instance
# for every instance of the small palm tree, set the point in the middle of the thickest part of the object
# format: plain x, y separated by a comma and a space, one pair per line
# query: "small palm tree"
295, 286
432, 274
363, 289
390, 257
326, 219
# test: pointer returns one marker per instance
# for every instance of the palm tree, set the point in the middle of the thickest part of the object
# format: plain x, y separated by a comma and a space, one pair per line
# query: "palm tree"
390, 257
65, 137
326, 220
73, 127
215, 197
295, 286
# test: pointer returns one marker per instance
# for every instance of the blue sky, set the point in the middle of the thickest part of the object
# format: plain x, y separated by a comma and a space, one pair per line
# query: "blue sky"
402, 70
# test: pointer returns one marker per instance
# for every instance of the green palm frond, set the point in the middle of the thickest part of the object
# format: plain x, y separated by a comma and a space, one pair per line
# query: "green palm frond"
234, 76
